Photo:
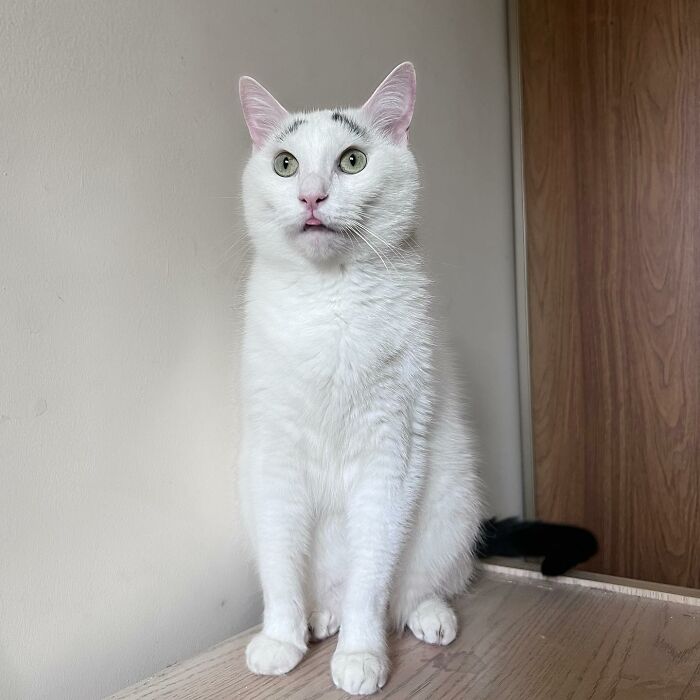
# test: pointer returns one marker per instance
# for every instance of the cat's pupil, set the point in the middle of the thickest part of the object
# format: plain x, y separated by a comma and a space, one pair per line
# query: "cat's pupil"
285, 163
352, 159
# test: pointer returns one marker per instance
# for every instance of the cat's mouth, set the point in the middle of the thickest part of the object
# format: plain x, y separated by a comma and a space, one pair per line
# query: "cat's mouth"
318, 228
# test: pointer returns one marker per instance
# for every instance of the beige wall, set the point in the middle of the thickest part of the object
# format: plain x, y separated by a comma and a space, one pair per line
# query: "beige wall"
121, 147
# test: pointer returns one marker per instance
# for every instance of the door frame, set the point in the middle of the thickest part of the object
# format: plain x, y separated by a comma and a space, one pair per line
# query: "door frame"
520, 249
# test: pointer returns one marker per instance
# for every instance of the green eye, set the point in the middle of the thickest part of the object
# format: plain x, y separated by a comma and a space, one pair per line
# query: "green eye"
352, 161
285, 164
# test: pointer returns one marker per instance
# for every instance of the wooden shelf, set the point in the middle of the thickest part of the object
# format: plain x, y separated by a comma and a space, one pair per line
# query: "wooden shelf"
522, 636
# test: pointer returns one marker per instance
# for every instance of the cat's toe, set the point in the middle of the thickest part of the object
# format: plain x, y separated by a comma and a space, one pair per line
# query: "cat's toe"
434, 622
271, 657
360, 673
322, 624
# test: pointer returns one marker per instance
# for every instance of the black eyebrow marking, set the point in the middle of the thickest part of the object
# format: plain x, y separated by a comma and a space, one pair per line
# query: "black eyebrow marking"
350, 123
290, 128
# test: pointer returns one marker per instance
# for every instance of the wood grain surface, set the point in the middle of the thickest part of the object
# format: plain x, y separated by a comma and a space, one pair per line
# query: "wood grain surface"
520, 639
611, 148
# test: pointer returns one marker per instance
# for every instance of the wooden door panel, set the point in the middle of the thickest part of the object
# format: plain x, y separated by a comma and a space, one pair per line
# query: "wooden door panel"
611, 139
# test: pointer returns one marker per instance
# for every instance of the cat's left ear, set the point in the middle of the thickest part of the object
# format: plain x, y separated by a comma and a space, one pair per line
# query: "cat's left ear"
391, 106
262, 112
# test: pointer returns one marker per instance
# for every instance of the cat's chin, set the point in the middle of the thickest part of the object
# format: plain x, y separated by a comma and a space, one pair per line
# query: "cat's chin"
320, 244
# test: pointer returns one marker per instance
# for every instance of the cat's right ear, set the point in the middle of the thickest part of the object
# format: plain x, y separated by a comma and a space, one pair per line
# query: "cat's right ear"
262, 112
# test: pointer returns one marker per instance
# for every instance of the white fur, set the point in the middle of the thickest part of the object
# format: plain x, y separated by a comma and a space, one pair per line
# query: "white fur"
357, 472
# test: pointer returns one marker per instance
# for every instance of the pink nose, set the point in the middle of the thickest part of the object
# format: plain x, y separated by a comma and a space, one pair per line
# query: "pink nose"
312, 199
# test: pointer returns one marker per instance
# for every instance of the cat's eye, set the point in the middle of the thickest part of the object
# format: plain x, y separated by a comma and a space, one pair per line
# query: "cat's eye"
352, 161
285, 164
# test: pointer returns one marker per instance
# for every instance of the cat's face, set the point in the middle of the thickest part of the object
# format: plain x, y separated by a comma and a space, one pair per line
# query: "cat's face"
331, 185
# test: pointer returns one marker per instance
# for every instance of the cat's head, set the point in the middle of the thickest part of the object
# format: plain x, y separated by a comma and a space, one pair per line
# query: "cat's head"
331, 185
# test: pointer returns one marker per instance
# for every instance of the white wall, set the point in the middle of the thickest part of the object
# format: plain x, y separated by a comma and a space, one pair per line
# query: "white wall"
121, 147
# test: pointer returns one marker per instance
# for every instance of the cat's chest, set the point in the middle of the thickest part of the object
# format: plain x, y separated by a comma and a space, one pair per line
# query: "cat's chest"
327, 334
333, 335
324, 365
332, 350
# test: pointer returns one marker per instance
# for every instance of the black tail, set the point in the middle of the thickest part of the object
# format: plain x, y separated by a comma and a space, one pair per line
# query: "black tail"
562, 546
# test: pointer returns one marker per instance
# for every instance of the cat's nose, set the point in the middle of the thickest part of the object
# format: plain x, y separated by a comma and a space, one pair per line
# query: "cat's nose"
311, 199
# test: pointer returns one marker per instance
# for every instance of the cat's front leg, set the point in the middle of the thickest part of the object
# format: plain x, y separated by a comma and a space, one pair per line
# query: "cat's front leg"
281, 524
378, 508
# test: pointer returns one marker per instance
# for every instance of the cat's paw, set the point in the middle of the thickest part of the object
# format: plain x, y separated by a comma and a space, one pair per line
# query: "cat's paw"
361, 673
434, 622
322, 624
271, 657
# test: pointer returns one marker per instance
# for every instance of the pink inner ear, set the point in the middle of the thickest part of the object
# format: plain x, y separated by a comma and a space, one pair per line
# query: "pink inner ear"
390, 108
262, 112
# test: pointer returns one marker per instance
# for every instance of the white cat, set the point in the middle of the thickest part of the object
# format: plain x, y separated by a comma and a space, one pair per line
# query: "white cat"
358, 474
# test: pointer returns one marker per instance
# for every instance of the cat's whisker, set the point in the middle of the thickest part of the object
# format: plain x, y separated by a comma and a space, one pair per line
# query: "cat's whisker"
379, 255
391, 246
363, 210
240, 245
350, 231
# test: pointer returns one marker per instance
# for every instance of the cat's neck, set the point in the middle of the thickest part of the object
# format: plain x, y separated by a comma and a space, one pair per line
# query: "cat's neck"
388, 267
381, 261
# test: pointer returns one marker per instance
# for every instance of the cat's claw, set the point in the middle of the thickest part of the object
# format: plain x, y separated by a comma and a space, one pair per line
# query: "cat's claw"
434, 622
271, 657
360, 673
322, 624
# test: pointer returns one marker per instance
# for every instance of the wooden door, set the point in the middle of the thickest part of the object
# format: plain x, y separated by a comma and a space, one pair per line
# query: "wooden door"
611, 151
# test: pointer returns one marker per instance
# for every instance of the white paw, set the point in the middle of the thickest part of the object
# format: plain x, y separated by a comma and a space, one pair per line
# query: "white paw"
360, 673
322, 624
270, 657
434, 622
